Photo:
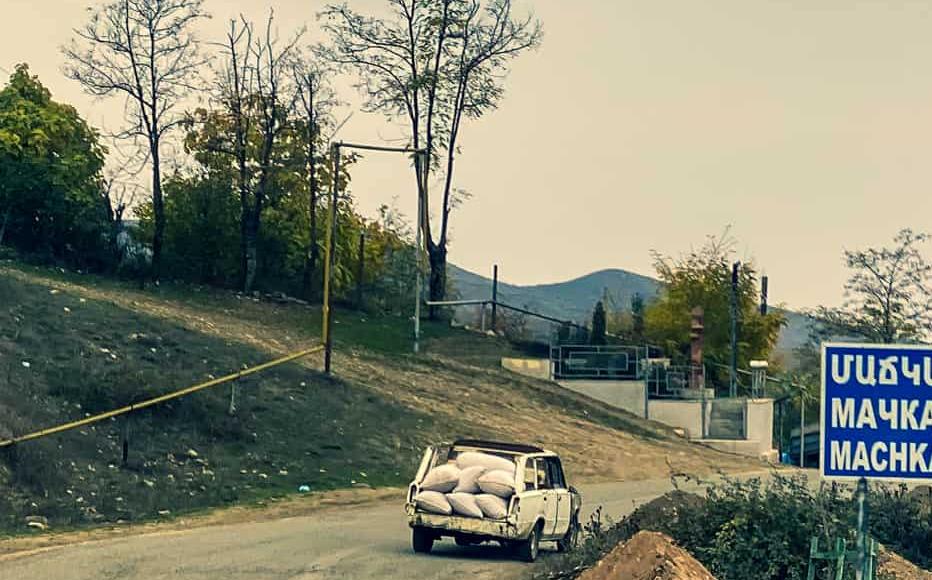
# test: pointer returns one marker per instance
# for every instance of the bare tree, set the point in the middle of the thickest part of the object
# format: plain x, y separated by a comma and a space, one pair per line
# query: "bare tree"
316, 99
256, 98
146, 51
888, 294
433, 64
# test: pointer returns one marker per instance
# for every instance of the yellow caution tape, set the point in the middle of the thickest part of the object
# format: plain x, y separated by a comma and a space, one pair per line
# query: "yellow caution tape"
161, 398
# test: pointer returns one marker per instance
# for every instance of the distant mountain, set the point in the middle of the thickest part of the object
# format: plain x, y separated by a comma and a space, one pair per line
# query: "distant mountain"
574, 299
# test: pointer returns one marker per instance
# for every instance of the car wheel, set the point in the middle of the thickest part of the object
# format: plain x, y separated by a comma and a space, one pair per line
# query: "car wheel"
529, 548
422, 540
569, 542
462, 541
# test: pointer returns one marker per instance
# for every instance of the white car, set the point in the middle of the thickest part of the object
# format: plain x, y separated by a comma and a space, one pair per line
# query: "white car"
543, 508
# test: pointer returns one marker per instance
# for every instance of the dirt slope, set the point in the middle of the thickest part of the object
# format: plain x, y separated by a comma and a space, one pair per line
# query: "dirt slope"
296, 426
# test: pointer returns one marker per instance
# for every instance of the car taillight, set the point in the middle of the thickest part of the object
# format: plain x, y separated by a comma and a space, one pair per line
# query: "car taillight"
515, 507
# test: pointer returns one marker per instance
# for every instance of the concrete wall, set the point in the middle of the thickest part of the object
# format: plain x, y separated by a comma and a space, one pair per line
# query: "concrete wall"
628, 395
750, 448
539, 368
760, 423
684, 414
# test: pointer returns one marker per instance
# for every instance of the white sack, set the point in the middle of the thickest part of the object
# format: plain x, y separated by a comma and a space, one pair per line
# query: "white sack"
464, 504
497, 482
492, 506
433, 502
442, 479
468, 477
487, 460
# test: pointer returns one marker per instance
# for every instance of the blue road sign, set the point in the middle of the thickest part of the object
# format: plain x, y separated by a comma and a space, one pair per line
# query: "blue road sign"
876, 411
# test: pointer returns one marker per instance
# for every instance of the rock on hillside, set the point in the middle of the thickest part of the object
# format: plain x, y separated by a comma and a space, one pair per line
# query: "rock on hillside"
648, 556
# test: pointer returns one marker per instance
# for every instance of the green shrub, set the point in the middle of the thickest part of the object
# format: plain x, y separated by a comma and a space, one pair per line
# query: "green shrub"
753, 529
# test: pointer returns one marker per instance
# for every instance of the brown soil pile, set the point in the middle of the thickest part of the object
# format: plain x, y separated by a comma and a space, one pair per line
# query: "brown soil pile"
659, 513
893, 565
648, 556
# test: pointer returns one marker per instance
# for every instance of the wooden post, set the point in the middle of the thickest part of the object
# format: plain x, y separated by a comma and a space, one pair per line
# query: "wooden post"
232, 409
124, 435
361, 269
494, 297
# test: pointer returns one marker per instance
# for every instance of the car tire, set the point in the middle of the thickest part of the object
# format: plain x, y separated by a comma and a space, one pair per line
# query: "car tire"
528, 549
422, 540
569, 541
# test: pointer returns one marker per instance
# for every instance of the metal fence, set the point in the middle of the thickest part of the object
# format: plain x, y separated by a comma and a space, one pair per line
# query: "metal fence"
587, 361
666, 381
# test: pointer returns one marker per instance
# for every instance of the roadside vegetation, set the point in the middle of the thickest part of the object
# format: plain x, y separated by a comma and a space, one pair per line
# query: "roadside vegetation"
760, 529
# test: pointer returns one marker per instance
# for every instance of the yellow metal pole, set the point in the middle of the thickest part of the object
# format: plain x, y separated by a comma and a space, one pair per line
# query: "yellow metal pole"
330, 252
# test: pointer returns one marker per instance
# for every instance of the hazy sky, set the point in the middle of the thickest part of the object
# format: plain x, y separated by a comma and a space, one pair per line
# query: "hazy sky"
805, 124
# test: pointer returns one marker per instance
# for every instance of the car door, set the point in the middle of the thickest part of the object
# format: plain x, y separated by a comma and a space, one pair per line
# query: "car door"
561, 495
532, 498
548, 495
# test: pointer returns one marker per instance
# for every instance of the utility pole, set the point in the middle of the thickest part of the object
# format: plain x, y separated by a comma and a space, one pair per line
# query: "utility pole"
494, 297
763, 295
733, 378
802, 427
862, 570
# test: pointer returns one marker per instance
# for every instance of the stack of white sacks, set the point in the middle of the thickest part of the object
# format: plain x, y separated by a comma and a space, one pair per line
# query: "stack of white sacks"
477, 485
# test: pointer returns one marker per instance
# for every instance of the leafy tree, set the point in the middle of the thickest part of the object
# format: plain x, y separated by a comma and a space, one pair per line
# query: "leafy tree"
888, 295
202, 227
145, 51
432, 64
51, 198
637, 317
598, 324
702, 277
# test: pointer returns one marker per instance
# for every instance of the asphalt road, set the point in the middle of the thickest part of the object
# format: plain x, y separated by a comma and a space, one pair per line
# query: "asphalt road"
369, 541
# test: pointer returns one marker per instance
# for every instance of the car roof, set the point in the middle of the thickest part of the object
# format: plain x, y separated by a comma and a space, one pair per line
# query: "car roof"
499, 446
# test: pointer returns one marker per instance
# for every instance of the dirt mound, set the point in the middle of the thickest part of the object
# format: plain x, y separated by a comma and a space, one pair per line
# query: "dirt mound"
648, 556
892, 565
657, 514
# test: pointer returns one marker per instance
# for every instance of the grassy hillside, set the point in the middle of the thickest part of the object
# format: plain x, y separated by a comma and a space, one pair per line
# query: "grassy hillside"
72, 345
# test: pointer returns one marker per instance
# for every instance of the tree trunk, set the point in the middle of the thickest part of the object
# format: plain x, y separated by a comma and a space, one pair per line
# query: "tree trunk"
250, 253
437, 256
310, 265
6, 219
158, 210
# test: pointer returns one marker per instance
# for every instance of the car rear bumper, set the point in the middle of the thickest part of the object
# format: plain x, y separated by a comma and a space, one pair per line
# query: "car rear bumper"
505, 529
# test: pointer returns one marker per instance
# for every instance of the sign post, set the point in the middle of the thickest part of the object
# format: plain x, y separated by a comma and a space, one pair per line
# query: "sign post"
876, 416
